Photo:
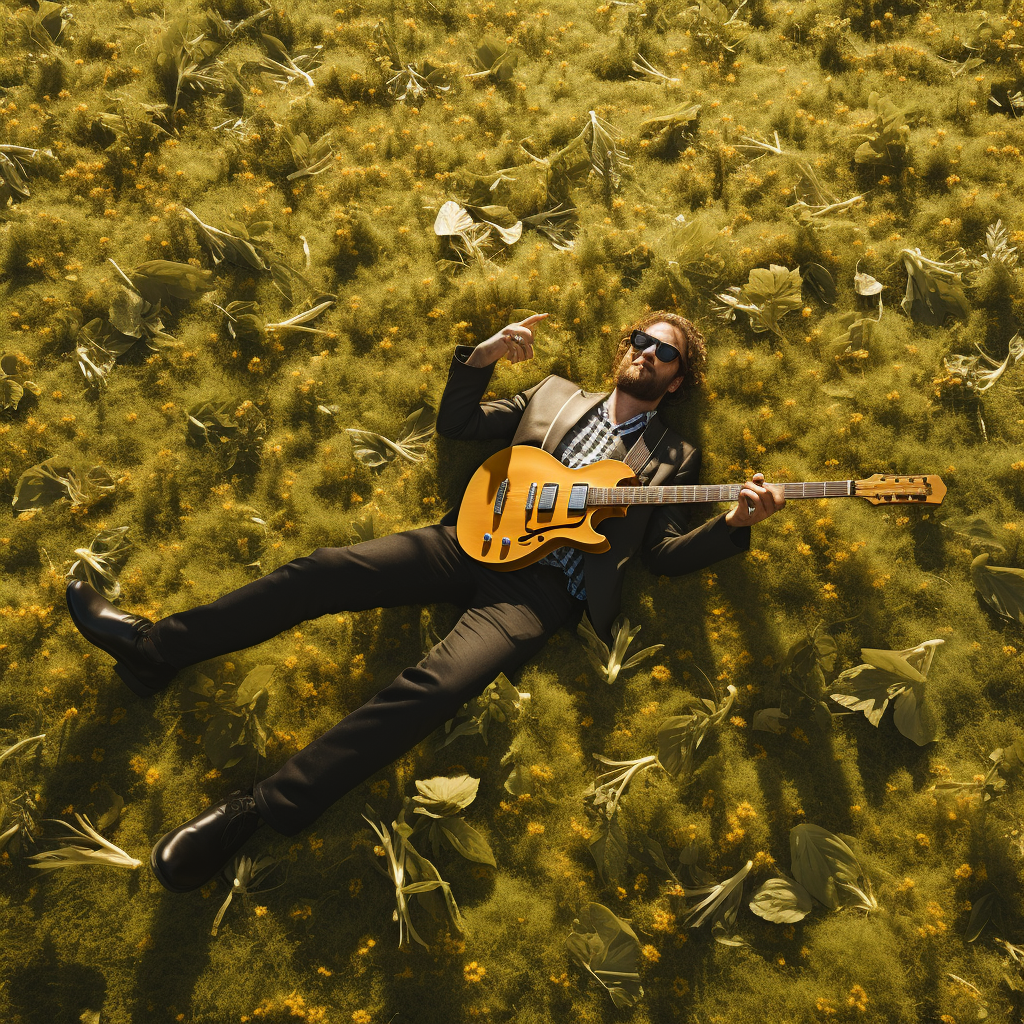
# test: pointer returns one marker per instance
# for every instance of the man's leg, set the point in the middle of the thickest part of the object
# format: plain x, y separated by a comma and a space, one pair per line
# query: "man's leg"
494, 637
414, 567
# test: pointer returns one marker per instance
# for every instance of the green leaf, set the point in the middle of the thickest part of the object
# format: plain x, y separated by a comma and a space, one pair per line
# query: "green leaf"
1001, 589
518, 782
375, 450
258, 732
46, 482
224, 245
865, 284
285, 280
866, 689
650, 853
494, 60
719, 902
856, 337
467, 841
723, 920
822, 716
17, 748
677, 742
664, 123
981, 535
826, 651
884, 676
204, 685
770, 720
607, 948
609, 661
105, 807
910, 665
766, 297
126, 311
820, 282
257, 679
934, 289
11, 393
782, 900
819, 860
914, 716
889, 135
609, 848
452, 219
223, 734
159, 280
982, 910
310, 158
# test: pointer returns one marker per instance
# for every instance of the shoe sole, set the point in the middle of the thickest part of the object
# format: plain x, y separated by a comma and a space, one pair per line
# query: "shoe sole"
163, 881
127, 676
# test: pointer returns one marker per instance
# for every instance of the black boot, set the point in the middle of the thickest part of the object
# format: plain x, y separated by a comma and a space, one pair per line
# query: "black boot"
190, 855
122, 636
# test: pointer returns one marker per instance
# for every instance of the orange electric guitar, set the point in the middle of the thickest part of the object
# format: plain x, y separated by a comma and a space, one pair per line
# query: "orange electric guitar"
522, 502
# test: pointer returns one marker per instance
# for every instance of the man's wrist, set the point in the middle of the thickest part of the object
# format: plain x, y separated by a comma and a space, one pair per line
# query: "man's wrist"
468, 356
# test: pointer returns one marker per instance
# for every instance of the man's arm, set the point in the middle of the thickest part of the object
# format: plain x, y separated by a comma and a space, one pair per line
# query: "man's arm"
669, 549
462, 416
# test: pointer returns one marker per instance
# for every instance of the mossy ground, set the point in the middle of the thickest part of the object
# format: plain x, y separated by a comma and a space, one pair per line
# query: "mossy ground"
322, 946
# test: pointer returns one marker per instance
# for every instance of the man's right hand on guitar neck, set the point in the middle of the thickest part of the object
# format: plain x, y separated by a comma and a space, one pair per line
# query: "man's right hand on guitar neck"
514, 341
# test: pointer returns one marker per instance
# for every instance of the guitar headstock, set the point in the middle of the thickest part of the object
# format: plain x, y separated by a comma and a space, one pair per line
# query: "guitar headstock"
896, 489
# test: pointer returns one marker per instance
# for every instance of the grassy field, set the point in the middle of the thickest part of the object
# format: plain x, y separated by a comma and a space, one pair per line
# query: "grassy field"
831, 192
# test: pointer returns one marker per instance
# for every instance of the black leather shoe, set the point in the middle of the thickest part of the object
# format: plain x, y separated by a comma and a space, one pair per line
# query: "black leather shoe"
190, 855
122, 636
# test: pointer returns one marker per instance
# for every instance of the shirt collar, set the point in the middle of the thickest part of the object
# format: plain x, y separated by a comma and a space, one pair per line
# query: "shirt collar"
641, 419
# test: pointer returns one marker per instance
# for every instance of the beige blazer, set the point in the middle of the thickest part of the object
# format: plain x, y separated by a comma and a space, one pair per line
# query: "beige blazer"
543, 415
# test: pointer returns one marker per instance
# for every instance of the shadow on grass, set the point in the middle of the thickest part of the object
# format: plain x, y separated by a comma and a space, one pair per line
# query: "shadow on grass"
46, 989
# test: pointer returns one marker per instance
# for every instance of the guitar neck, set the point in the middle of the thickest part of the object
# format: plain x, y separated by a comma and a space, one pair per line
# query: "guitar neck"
713, 492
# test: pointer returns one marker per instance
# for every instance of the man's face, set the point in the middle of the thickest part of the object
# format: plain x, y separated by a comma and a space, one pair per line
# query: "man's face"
643, 375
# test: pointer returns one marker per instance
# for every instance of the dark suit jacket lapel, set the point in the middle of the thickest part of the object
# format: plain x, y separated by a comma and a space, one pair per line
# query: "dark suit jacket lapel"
572, 411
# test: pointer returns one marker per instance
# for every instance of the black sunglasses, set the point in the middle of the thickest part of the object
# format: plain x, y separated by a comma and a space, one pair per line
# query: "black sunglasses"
665, 352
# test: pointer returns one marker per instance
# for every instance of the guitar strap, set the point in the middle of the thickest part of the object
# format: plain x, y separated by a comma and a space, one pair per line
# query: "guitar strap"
639, 455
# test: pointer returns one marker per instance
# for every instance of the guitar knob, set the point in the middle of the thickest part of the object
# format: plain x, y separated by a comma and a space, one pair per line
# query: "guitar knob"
487, 538
505, 542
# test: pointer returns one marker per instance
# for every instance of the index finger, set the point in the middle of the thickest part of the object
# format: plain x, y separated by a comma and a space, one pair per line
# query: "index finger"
534, 316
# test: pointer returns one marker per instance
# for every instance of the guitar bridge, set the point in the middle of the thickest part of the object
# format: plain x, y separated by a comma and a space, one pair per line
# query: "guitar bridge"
502, 495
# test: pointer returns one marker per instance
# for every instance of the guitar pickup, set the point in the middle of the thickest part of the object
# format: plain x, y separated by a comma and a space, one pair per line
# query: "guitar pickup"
502, 495
530, 497
578, 498
548, 494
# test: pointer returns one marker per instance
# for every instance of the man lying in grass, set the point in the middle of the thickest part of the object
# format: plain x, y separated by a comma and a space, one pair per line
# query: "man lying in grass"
508, 616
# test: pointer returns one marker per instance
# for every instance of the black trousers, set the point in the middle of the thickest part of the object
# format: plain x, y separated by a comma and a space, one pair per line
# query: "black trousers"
507, 618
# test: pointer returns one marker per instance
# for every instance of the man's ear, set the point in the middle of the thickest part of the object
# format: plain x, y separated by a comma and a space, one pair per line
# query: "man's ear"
676, 383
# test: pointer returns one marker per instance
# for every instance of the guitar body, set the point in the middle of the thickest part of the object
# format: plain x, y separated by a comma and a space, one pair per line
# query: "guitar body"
532, 533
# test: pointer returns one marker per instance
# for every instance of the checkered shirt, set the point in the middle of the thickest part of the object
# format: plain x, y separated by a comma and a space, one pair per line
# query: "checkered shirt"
590, 441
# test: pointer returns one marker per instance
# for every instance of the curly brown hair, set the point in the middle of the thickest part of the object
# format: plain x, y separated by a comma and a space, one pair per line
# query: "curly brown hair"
693, 350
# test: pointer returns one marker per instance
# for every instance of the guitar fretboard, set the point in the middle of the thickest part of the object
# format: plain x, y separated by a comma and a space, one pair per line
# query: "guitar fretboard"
711, 492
